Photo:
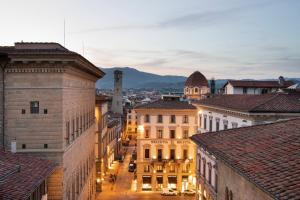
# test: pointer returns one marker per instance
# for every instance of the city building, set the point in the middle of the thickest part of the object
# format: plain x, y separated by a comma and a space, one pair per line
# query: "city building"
101, 114
23, 177
255, 87
48, 96
196, 86
259, 162
165, 154
131, 124
117, 104
232, 111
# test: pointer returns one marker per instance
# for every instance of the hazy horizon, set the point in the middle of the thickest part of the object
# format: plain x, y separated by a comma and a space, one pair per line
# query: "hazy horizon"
234, 39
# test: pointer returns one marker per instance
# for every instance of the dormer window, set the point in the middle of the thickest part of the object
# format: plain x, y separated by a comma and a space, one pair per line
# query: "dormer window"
196, 90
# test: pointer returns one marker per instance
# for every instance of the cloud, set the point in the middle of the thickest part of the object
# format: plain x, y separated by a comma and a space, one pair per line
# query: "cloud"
192, 20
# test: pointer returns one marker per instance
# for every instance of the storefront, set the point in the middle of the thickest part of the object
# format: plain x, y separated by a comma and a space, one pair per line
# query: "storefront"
146, 185
159, 182
172, 182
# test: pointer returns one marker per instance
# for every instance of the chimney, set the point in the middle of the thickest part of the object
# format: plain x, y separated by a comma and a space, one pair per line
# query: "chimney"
212, 86
281, 81
13, 146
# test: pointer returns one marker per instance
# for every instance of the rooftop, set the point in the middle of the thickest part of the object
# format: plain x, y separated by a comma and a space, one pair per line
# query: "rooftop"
47, 51
21, 174
258, 84
196, 79
265, 103
267, 155
167, 104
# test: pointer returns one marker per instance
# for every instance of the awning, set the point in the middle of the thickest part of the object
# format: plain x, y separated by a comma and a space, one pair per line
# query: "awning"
147, 179
172, 179
159, 180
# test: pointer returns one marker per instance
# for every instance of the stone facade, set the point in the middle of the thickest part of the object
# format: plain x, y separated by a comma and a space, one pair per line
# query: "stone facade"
156, 169
49, 113
117, 105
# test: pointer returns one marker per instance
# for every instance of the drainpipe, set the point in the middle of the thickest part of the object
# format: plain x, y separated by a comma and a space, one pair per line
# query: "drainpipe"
4, 60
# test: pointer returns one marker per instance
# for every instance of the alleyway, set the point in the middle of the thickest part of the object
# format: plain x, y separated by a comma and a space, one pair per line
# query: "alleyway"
122, 189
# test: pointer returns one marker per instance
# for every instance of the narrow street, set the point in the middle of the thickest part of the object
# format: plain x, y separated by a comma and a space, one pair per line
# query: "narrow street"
122, 188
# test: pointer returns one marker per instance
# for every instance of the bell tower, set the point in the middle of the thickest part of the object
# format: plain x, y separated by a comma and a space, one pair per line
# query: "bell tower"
117, 106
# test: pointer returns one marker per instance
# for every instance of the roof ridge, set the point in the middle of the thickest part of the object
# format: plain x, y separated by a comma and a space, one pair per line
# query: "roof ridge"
268, 100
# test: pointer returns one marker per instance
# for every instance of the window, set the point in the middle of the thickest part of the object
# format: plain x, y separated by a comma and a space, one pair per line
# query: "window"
73, 130
159, 168
129, 116
186, 168
185, 154
234, 125
159, 119
226, 194
147, 153
210, 124
173, 119
147, 118
209, 174
23, 111
172, 168
205, 122
45, 146
129, 122
245, 90
23, 146
217, 124
230, 195
225, 122
146, 168
185, 134
34, 107
146, 133
204, 168
172, 154
199, 164
68, 133
172, 134
45, 111
200, 120
159, 154
185, 119
196, 90
160, 133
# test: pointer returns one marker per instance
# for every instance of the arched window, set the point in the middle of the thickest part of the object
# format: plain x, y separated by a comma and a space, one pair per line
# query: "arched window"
196, 90
226, 194
230, 195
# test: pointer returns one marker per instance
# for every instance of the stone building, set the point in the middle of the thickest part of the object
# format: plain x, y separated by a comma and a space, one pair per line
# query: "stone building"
226, 112
101, 113
117, 106
259, 162
165, 154
233, 111
255, 87
196, 86
131, 124
49, 101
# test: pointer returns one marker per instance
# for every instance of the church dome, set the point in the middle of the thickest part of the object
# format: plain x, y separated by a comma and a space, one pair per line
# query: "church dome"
196, 79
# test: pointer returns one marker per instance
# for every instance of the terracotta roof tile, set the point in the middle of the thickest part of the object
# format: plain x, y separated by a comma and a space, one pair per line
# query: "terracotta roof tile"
19, 184
259, 84
196, 79
272, 103
267, 155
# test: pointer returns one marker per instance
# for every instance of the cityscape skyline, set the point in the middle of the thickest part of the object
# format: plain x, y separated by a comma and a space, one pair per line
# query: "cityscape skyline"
258, 39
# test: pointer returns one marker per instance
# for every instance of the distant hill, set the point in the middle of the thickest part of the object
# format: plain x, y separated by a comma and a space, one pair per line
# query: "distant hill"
133, 78
136, 79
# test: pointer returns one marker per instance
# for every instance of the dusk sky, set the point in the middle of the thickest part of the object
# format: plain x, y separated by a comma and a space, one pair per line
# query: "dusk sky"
221, 38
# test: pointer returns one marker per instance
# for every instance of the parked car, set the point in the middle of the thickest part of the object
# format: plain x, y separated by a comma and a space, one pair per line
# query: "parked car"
189, 192
168, 192
131, 167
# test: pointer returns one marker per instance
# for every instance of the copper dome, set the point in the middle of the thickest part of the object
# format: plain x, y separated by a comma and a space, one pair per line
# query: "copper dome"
196, 79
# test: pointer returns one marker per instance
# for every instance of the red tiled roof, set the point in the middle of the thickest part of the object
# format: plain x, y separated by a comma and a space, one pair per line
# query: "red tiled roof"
167, 104
267, 155
20, 184
259, 84
196, 79
272, 102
